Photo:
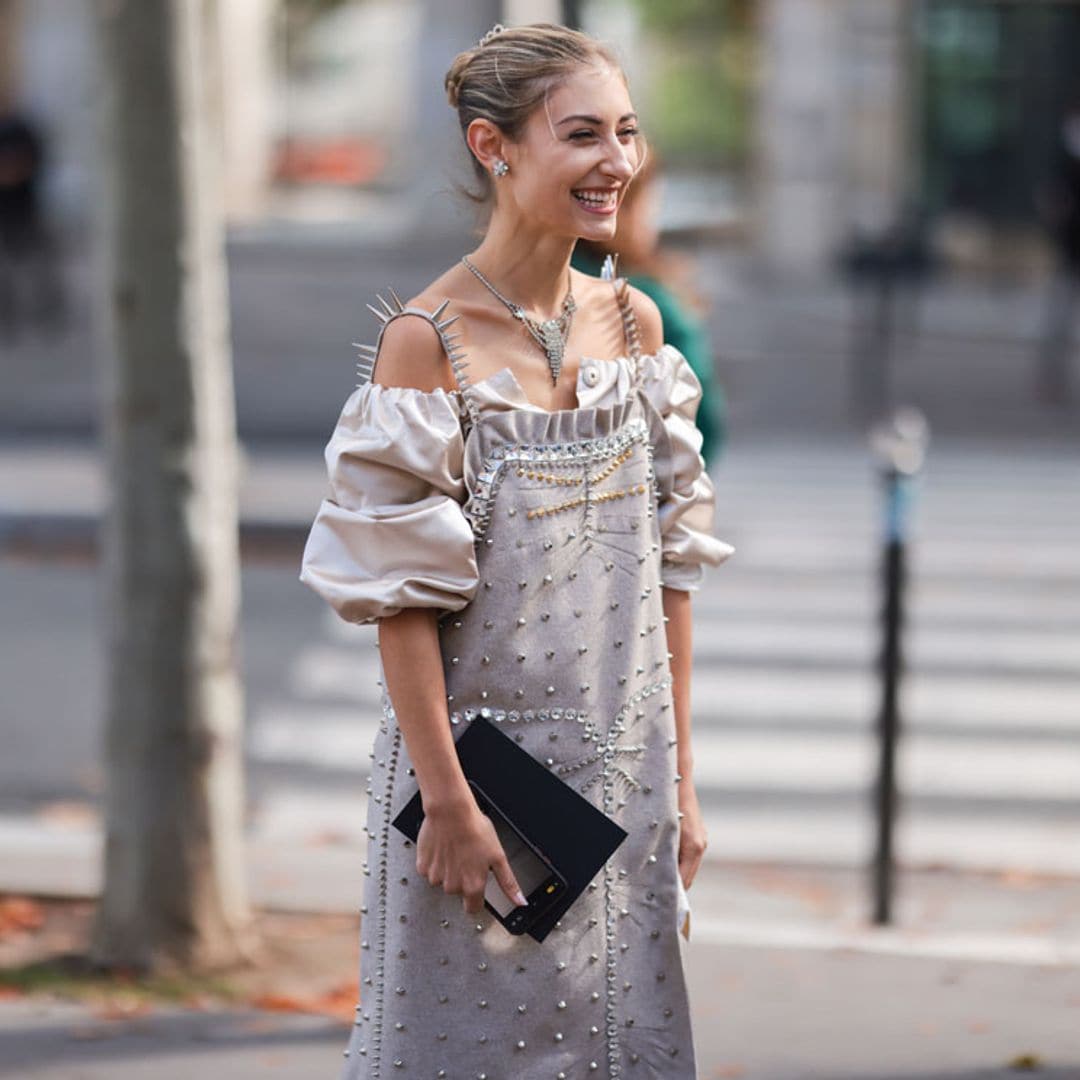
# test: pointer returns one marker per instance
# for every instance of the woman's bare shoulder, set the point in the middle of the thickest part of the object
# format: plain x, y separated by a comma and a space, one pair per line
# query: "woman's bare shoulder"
411, 355
411, 347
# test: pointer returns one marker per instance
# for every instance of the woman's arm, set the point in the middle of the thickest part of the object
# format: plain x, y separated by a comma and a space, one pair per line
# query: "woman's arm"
677, 611
412, 666
457, 843
692, 840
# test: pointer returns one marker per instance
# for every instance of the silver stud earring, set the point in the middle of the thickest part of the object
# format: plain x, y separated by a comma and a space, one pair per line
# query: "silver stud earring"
500, 168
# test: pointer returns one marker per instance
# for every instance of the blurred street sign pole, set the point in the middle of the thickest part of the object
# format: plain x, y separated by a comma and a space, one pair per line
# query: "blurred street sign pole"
174, 892
885, 272
899, 444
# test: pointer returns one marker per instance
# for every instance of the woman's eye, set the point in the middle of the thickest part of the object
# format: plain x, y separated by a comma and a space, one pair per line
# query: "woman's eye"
589, 134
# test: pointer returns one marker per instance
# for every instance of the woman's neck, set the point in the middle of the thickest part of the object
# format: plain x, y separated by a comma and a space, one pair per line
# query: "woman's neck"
531, 271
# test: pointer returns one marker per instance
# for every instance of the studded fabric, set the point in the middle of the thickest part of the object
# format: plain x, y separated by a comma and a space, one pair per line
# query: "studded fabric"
563, 646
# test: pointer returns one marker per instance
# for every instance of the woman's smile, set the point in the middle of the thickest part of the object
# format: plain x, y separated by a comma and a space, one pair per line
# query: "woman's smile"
604, 201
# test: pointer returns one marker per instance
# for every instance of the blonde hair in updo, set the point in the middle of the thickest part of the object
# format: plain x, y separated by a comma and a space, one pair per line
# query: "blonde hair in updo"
505, 79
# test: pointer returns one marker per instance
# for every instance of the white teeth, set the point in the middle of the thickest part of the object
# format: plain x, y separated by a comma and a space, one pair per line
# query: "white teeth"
595, 200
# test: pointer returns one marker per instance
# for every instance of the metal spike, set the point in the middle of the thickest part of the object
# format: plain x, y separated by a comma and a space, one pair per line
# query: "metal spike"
397, 299
440, 309
389, 310
383, 318
448, 322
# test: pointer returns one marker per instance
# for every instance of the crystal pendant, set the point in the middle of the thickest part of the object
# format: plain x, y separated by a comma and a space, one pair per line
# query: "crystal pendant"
553, 346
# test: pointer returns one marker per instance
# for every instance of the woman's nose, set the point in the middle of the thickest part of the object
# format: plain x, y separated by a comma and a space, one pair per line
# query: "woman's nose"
620, 162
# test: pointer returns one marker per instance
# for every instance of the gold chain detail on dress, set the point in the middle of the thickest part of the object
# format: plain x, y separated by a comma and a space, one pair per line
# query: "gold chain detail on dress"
554, 478
550, 478
603, 496
611, 466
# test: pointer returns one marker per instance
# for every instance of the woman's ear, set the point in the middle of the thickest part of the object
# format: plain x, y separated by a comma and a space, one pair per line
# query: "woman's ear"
485, 141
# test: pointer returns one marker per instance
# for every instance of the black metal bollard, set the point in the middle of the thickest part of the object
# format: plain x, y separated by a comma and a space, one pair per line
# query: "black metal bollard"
900, 445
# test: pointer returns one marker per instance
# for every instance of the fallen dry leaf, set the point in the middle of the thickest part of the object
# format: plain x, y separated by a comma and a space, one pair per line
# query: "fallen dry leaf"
1026, 1062
338, 1003
279, 1003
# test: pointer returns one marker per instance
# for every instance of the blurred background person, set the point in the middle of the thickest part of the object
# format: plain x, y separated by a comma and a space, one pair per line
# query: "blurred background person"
667, 277
29, 279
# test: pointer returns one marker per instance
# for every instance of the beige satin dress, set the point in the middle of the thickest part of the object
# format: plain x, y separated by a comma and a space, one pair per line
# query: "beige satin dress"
543, 539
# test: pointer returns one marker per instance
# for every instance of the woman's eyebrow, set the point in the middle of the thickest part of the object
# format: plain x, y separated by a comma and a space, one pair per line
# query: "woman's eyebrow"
594, 119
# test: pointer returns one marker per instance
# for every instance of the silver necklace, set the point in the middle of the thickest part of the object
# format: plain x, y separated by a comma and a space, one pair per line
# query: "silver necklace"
551, 334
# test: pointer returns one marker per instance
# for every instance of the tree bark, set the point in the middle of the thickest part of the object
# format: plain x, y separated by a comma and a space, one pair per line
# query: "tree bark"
174, 891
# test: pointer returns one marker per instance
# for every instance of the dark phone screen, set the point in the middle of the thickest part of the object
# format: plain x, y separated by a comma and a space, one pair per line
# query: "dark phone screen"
530, 871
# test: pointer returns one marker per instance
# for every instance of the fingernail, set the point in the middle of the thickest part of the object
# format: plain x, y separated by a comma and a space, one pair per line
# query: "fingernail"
520, 898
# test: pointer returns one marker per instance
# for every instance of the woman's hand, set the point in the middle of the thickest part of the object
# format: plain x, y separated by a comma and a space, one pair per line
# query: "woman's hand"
456, 847
692, 840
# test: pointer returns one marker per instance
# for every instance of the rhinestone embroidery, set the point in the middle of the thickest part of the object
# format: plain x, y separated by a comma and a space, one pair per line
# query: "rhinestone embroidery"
617, 446
607, 750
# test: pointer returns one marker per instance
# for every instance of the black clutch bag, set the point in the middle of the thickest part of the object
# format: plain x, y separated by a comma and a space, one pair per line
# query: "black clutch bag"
571, 834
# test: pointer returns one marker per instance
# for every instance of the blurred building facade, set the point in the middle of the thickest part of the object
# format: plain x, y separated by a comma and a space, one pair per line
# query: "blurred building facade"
942, 110
858, 113
833, 138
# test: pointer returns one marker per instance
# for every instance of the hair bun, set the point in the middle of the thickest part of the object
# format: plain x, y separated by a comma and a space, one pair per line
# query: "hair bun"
454, 77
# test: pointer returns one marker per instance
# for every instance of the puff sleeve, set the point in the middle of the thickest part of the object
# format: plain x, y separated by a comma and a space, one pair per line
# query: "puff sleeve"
392, 533
686, 496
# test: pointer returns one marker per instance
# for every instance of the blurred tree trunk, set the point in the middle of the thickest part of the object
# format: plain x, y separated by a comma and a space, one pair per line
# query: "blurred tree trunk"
9, 54
174, 859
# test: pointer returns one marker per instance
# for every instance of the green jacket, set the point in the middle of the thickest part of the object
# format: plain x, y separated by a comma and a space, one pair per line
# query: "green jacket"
690, 336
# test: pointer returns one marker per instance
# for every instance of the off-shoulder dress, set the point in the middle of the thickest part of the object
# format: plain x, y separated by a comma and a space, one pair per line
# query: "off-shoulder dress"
543, 540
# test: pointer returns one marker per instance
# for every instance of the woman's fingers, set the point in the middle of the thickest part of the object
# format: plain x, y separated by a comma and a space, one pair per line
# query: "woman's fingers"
474, 895
507, 882
461, 864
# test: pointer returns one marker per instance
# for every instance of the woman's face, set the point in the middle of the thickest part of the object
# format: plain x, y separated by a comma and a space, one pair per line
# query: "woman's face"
579, 153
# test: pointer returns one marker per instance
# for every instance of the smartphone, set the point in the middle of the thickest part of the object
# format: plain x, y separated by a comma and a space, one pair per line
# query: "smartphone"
540, 882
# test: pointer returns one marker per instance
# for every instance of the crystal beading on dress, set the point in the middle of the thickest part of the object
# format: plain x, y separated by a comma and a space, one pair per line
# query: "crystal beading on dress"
550, 622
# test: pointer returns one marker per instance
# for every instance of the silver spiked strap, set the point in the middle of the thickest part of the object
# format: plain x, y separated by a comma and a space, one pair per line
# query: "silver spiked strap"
450, 342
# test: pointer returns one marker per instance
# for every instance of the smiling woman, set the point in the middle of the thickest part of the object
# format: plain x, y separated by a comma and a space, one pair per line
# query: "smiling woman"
519, 500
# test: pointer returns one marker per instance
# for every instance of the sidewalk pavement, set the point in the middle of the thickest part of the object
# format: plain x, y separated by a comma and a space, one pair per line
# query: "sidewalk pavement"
776, 1012
789, 978
54, 493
